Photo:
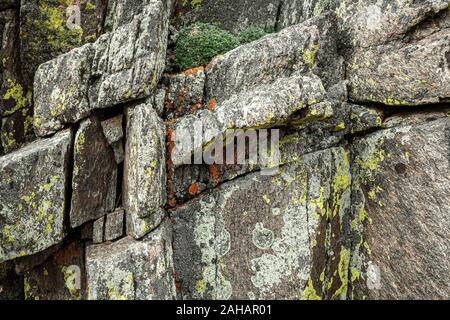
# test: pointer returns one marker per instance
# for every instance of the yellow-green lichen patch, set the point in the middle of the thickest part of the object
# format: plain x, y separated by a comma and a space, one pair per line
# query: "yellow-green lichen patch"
310, 293
15, 93
343, 268
309, 55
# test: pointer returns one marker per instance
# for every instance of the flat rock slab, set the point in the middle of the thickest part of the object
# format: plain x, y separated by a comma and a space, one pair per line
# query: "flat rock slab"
296, 50
401, 205
132, 270
94, 180
144, 192
123, 65
403, 74
265, 237
369, 23
33, 189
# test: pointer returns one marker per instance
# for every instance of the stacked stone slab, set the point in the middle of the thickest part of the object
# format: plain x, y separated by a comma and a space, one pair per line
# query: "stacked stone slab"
103, 204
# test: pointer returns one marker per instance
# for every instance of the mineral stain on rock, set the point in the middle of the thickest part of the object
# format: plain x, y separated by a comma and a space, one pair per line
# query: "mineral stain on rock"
98, 200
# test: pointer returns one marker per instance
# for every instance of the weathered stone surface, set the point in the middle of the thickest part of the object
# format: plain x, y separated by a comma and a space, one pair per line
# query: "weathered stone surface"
94, 182
296, 11
45, 33
98, 230
185, 92
120, 66
8, 4
11, 284
33, 185
114, 225
60, 90
363, 118
400, 213
27, 263
59, 278
13, 94
232, 15
372, 22
401, 74
130, 269
144, 184
113, 131
264, 107
267, 237
295, 50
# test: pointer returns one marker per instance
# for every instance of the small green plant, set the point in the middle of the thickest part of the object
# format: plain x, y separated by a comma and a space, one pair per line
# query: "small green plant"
197, 44
252, 34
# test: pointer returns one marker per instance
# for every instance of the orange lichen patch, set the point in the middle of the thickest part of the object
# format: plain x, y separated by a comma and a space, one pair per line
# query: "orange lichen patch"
193, 189
212, 104
193, 71
195, 107
214, 173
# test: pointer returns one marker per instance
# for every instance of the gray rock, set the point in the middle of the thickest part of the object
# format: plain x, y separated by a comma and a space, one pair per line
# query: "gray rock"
265, 106
112, 129
266, 237
45, 33
296, 11
60, 277
98, 230
33, 189
144, 186
185, 92
372, 22
232, 15
296, 50
60, 90
114, 225
120, 66
400, 74
400, 203
364, 118
131, 269
94, 183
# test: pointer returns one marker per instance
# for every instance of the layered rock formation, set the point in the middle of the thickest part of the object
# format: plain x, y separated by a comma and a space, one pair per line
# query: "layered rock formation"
99, 200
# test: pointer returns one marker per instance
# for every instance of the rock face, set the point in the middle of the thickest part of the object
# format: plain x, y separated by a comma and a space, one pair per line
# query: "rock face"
132, 270
401, 192
235, 15
309, 161
145, 183
118, 68
33, 185
60, 277
94, 180
265, 237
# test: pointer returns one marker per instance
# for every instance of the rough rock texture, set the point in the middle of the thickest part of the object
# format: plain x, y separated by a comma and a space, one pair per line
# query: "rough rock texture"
401, 193
33, 185
145, 182
185, 92
120, 66
94, 180
232, 15
348, 199
399, 74
114, 225
130, 269
266, 237
58, 278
